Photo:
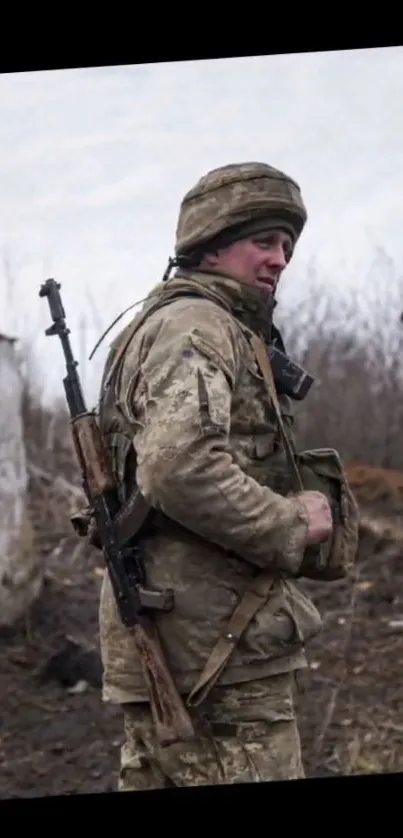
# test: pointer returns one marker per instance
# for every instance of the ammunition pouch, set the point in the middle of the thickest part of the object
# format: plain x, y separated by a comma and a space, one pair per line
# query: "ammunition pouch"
321, 470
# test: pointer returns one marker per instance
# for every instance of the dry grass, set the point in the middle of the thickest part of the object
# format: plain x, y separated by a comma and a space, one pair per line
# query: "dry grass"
354, 348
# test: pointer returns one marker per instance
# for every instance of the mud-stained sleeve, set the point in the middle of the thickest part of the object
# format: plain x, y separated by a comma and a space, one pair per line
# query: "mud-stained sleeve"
185, 466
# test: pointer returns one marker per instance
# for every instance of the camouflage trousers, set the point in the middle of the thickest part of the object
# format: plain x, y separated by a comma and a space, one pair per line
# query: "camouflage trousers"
245, 733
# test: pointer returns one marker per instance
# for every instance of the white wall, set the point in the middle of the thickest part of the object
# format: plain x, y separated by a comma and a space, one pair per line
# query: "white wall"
20, 567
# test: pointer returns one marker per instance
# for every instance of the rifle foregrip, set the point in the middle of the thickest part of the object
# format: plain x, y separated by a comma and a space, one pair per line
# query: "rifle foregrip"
91, 454
171, 719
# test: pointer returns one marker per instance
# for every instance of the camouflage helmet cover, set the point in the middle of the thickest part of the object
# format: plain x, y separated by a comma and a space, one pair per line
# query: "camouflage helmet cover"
233, 195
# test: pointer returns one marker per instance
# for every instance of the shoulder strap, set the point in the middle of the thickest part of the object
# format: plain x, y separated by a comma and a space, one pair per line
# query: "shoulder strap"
264, 364
240, 618
263, 584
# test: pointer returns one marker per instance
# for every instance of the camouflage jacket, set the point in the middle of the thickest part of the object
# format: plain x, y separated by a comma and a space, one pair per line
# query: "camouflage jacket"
192, 402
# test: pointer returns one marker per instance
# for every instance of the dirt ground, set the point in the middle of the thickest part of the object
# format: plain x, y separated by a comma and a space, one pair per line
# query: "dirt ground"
57, 737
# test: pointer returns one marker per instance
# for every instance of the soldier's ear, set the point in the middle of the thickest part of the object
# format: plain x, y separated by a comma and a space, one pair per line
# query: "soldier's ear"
210, 259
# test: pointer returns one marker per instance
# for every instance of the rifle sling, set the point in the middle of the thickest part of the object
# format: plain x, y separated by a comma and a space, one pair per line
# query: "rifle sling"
263, 584
262, 358
132, 517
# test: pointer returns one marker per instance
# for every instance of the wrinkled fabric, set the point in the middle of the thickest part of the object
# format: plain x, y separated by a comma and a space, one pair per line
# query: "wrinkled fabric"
245, 734
193, 407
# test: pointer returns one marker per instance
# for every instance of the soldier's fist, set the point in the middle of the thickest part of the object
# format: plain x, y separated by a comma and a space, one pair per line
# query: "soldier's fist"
319, 513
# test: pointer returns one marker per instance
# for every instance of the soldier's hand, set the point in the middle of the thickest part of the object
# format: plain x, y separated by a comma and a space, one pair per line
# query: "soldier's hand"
320, 526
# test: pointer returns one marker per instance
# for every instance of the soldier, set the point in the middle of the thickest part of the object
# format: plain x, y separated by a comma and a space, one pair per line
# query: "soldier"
189, 417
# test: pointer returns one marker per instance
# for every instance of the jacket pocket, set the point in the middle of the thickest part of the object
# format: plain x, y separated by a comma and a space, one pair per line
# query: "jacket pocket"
303, 614
278, 632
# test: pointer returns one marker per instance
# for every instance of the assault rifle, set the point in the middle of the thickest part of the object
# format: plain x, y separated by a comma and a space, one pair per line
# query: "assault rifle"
122, 555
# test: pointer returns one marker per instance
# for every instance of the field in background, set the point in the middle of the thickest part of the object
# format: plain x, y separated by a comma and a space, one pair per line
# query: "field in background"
57, 737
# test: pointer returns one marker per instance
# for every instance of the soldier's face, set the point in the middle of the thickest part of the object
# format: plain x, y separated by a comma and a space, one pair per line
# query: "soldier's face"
259, 260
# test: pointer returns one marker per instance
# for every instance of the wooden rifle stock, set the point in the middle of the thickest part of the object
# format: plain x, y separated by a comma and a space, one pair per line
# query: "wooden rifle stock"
116, 533
171, 719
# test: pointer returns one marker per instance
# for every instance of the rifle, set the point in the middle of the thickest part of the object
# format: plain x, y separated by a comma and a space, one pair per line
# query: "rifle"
134, 601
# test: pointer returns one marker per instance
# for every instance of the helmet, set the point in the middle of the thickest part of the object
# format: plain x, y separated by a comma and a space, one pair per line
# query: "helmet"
235, 195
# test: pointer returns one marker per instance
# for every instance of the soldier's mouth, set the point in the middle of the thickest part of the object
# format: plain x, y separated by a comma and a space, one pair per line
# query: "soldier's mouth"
267, 282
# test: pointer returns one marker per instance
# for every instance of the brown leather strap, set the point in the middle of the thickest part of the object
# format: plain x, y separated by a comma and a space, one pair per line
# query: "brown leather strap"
258, 593
244, 612
130, 519
264, 364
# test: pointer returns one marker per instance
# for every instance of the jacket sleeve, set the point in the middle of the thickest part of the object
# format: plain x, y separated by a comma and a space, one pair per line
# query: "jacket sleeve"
182, 400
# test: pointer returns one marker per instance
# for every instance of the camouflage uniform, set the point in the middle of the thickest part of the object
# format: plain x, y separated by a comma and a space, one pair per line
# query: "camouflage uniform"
245, 733
189, 418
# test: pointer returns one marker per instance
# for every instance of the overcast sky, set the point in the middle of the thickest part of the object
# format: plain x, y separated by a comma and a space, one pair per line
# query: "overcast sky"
94, 163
